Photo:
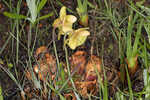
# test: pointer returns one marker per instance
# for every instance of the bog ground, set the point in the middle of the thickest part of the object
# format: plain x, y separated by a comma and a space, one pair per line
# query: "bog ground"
74, 50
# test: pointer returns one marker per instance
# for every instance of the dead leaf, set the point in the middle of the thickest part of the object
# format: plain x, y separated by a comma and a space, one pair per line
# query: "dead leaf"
88, 84
46, 65
87, 87
40, 50
78, 61
93, 64
70, 96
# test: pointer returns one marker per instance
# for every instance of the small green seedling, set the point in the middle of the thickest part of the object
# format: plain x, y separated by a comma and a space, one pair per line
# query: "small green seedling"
82, 11
132, 51
34, 9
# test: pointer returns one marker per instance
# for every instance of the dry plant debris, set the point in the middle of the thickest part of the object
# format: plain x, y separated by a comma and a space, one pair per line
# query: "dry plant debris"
84, 67
78, 62
93, 64
46, 65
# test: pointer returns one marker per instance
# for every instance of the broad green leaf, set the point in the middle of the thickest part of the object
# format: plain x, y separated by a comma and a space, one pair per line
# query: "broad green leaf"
14, 15
45, 16
78, 38
41, 5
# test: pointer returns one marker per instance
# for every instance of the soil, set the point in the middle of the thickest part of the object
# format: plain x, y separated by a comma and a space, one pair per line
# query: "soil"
100, 40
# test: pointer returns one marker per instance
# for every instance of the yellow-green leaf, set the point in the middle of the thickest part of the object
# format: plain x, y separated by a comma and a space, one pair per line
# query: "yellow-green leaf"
78, 38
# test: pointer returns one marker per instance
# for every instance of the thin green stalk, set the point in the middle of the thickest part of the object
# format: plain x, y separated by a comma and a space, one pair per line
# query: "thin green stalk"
106, 4
18, 41
55, 50
99, 3
17, 28
36, 33
129, 84
5, 44
105, 87
131, 24
61, 97
66, 81
69, 74
1, 96
138, 35
12, 77
54, 45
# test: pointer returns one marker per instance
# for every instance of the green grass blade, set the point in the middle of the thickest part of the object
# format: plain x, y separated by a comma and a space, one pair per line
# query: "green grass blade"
105, 87
131, 24
41, 5
129, 84
99, 3
11, 76
14, 15
79, 4
106, 4
135, 9
5, 44
61, 4
147, 28
145, 55
1, 96
85, 5
61, 97
91, 5
119, 96
45, 16
135, 46
129, 32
